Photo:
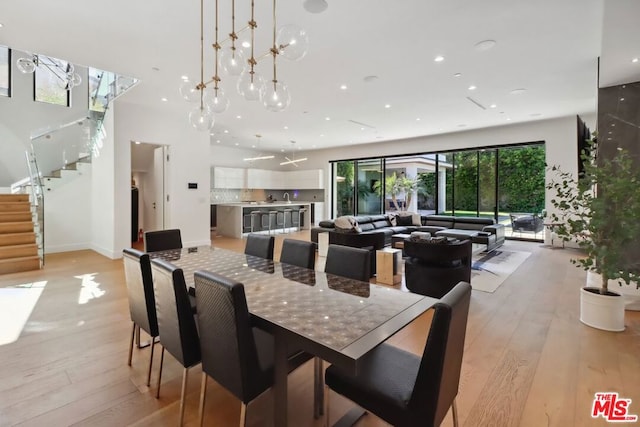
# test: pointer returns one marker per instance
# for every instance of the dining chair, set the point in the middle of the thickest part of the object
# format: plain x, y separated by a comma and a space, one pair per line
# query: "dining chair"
298, 252
408, 390
237, 355
260, 246
162, 240
346, 261
176, 322
142, 303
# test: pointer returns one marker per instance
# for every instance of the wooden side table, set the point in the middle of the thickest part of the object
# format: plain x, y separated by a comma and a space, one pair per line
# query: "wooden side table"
389, 266
323, 243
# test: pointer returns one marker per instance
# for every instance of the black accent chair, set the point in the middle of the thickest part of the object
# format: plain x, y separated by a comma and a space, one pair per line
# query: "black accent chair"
406, 390
434, 269
237, 355
260, 246
346, 261
142, 302
176, 322
162, 240
299, 252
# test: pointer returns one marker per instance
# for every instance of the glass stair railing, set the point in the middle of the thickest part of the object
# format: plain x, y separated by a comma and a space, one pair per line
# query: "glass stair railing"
57, 150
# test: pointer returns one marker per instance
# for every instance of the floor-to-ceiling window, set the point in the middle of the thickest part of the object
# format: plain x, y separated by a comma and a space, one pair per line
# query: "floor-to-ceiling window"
503, 183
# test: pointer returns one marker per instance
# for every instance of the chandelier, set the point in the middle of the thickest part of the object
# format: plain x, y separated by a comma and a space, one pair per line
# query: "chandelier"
64, 71
292, 160
259, 156
289, 41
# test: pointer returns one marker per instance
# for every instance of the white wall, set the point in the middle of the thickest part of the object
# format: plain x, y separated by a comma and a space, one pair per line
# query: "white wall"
189, 153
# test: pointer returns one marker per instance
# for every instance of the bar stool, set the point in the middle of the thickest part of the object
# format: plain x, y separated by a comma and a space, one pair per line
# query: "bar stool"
301, 213
269, 216
256, 217
286, 212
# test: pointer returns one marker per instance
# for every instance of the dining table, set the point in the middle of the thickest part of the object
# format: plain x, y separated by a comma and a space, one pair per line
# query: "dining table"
334, 318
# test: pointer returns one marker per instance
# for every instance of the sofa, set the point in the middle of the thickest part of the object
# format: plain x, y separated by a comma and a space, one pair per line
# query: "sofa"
376, 231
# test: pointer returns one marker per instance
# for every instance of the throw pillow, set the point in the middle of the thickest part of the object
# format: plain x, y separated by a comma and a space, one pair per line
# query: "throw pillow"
393, 219
326, 224
419, 236
404, 220
347, 224
415, 219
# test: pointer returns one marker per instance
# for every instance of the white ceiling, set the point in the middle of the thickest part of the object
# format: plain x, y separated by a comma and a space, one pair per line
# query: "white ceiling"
547, 47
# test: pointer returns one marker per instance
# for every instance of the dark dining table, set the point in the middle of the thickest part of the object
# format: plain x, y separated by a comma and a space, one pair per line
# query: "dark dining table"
335, 318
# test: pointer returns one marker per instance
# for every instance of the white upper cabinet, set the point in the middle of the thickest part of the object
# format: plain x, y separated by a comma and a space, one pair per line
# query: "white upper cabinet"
229, 177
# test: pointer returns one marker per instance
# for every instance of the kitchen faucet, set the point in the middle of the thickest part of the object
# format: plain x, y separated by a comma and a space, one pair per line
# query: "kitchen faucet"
287, 196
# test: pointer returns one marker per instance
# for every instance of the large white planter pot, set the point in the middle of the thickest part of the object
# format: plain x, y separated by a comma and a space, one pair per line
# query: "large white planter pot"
604, 312
630, 292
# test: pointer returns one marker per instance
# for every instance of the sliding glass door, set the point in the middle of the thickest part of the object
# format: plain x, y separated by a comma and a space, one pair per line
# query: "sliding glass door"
369, 186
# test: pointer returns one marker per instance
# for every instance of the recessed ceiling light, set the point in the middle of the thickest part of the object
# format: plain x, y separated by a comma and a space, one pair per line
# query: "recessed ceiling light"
492, 106
253, 146
314, 146
484, 45
621, 99
457, 75
226, 131
163, 99
508, 119
237, 143
439, 58
634, 60
343, 87
472, 87
1, 25
217, 141
370, 79
137, 142
387, 105
327, 118
418, 119
286, 127
321, 135
361, 128
613, 124
282, 150
246, 44
462, 125
238, 117
518, 91
185, 78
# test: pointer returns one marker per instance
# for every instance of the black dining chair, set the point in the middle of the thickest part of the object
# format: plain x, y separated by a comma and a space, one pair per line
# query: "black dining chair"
346, 261
162, 240
176, 322
142, 302
404, 389
260, 246
298, 252
237, 355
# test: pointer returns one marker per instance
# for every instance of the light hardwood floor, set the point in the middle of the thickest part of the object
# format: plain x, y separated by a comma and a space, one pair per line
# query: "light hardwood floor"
528, 360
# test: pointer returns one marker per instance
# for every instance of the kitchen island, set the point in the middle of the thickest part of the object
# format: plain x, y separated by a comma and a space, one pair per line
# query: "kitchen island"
234, 219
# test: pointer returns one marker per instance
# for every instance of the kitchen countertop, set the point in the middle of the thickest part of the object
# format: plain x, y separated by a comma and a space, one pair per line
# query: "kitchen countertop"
264, 204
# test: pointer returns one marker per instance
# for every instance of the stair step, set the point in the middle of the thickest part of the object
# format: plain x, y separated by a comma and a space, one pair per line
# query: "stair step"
14, 198
15, 206
18, 251
15, 265
16, 227
9, 239
15, 216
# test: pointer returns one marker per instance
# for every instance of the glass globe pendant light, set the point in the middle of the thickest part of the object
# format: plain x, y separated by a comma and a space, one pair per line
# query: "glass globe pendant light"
276, 97
201, 118
216, 101
292, 42
188, 91
232, 60
250, 85
27, 65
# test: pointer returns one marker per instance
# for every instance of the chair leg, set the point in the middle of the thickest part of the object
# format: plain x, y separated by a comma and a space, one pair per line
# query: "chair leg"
318, 385
153, 342
133, 335
454, 413
138, 337
243, 414
203, 394
160, 373
183, 394
327, 392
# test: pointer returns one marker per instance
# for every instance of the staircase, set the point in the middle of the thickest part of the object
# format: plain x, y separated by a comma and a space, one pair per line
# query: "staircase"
18, 248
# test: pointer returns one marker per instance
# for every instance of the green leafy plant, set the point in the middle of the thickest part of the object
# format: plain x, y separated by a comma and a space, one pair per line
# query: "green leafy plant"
395, 185
601, 212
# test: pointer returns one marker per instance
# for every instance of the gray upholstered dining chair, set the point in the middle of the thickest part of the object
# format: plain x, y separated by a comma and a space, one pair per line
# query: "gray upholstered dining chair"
237, 355
176, 323
298, 252
408, 390
346, 261
162, 240
259, 245
142, 302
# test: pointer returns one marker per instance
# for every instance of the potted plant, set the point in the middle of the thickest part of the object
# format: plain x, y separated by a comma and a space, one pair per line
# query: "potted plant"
600, 211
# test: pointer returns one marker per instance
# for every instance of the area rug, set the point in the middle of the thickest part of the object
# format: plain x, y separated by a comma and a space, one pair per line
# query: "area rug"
488, 271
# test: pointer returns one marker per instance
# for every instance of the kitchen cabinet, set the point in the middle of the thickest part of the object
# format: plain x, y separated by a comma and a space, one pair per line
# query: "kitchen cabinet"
224, 177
